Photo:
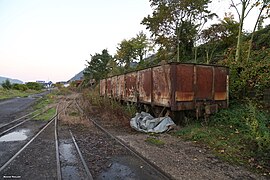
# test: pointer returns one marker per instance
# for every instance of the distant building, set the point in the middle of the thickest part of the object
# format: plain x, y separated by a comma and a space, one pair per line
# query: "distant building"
44, 84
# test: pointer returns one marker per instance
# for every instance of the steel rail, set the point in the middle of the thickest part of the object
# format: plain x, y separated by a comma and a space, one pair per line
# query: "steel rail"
58, 162
27, 144
9, 129
90, 177
58, 165
15, 120
134, 152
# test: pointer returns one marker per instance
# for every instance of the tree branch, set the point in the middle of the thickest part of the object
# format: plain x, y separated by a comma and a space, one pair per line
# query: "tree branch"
234, 6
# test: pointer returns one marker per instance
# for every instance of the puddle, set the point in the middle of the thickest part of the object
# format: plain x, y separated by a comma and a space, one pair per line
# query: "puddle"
15, 136
69, 162
118, 171
67, 153
70, 172
128, 167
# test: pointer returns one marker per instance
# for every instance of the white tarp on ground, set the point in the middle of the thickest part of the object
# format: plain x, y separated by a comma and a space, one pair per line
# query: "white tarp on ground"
144, 122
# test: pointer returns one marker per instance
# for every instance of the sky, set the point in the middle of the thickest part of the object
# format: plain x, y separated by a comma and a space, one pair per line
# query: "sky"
52, 39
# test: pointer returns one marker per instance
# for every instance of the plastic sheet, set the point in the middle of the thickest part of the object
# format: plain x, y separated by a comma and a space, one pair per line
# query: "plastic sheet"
144, 122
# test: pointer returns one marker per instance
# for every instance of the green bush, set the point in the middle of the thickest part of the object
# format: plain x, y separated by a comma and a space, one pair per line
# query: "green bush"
20, 87
34, 86
252, 123
246, 77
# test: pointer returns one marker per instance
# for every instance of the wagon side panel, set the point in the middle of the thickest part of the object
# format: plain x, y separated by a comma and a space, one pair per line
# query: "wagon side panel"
121, 87
109, 87
204, 83
102, 87
184, 86
161, 90
131, 87
114, 86
145, 85
221, 86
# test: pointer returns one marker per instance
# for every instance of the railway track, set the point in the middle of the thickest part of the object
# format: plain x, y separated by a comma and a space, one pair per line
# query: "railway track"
54, 152
160, 174
70, 160
18, 122
13, 166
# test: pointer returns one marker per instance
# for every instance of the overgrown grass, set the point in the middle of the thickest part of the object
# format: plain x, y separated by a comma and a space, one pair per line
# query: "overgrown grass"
47, 115
109, 104
240, 134
45, 101
43, 106
6, 94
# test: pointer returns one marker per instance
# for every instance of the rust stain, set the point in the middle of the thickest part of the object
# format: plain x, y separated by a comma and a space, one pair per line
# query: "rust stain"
184, 96
162, 85
131, 87
220, 96
204, 82
114, 86
121, 87
102, 89
109, 87
144, 85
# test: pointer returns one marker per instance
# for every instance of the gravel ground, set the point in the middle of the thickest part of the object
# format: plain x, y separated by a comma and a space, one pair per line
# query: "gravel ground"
180, 159
105, 158
37, 161
11, 142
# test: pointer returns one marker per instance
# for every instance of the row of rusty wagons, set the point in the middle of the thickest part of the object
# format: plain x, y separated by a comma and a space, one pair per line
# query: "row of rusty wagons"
174, 87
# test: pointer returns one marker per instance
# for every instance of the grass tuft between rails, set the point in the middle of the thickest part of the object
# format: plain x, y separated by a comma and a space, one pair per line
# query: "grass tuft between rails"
239, 134
47, 115
46, 106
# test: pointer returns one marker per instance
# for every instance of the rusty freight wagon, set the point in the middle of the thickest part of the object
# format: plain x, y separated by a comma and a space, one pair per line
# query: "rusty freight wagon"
174, 87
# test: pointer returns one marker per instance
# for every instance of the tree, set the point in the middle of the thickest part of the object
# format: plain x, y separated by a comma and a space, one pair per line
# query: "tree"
125, 52
133, 49
174, 25
6, 84
246, 6
219, 36
140, 45
97, 66
264, 4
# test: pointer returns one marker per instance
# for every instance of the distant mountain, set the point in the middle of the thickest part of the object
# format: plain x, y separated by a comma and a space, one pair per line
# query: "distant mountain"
78, 76
13, 81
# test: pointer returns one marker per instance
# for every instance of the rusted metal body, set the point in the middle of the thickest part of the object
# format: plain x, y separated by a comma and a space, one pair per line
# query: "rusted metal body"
102, 87
131, 87
175, 86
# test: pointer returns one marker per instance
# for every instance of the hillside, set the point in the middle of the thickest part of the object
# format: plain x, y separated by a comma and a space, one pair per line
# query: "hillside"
13, 81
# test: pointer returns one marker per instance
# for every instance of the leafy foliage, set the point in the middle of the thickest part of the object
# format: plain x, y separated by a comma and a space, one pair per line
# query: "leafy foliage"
97, 66
20, 87
217, 38
174, 25
7, 84
253, 76
34, 86
132, 50
239, 134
